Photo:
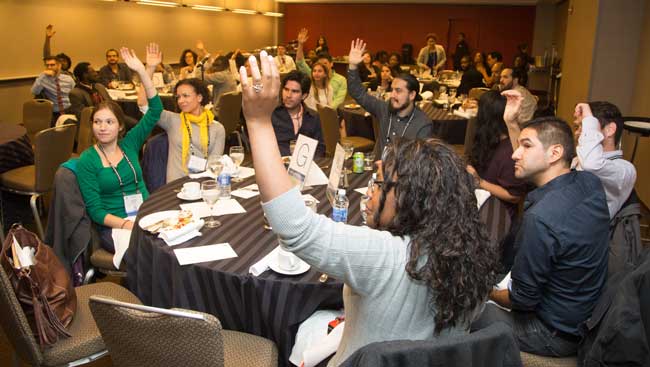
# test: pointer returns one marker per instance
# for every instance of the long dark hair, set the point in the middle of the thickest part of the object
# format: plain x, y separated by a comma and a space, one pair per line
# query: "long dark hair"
489, 129
436, 207
182, 62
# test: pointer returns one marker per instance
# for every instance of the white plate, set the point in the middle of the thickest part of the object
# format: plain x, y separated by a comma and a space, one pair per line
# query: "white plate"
156, 217
181, 195
303, 267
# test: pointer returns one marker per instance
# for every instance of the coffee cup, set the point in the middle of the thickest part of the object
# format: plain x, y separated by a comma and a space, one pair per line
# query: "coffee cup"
287, 261
191, 189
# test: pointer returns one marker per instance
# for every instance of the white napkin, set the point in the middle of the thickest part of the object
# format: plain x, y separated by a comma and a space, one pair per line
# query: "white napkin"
481, 196
315, 176
428, 95
362, 190
245, 172
206, 173
222, 207
121, 239
195, 255
246, 192
324, 348
185, 233
464, 114
311, 332
263, 265
116, 94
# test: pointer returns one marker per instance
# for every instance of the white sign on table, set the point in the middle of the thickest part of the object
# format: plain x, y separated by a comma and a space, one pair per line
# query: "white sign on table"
335, 172
194, 255
303, 156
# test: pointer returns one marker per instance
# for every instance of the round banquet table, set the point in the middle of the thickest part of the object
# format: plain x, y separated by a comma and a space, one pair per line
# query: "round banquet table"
450, 128
15, 148
271, 305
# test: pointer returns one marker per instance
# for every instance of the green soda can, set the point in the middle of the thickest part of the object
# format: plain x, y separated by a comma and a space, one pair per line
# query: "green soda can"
357, 165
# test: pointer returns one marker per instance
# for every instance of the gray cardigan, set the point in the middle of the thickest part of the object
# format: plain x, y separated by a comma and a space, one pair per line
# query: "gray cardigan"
381, 301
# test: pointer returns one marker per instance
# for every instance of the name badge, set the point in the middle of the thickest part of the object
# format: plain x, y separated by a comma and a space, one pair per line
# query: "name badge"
132, 203
196, 164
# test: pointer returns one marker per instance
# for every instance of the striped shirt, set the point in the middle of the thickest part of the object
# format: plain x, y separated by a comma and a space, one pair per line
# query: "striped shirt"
47, 84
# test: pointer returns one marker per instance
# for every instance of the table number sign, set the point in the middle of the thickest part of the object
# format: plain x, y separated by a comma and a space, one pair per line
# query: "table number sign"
303, 156
335, 172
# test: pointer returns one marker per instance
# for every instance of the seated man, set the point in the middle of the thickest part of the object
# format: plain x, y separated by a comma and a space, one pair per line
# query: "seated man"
114, 71
337, 81
600, 126
292, 117
472, 78
398, 117
55, 86
284, 62
495, 63
561, 266
511, 79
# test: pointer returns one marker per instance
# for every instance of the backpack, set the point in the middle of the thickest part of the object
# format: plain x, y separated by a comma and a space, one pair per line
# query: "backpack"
625, 245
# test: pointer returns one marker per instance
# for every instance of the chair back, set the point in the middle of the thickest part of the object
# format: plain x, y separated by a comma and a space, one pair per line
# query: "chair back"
37, 115
494, 214
329, 124
85, 137
476, 93
230, 111
53, 146
15, 324
138, 335
470, 135
154, 162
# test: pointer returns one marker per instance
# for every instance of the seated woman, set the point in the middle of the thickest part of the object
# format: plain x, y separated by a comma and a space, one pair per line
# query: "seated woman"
386, 80
194, 134
490, 160
368, 72
188, 64
109, 175
395, 63
423, 267
321, 90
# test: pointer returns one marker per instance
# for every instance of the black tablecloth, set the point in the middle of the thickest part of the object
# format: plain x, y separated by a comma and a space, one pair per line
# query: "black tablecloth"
271, 305
450, 128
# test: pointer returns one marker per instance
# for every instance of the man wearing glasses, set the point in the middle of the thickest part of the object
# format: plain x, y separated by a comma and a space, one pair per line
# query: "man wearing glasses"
55, 86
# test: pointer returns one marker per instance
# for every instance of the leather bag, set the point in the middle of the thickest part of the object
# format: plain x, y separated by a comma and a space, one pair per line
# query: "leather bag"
44, 289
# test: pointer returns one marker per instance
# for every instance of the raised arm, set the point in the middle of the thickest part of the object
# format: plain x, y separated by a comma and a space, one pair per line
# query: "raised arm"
49, 33
511, 115
154, 57
301, 64
355, 88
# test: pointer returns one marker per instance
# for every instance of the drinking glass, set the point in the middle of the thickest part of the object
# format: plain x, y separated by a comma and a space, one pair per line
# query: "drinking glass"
292, 146
210, 193
349, 150
237, 156
215, 165
362, 207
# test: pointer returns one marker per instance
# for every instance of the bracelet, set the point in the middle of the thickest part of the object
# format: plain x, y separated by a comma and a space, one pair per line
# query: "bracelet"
123, 223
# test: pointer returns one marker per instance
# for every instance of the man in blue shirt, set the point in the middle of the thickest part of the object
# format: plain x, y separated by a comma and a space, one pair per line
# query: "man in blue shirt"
561, 264
55, 86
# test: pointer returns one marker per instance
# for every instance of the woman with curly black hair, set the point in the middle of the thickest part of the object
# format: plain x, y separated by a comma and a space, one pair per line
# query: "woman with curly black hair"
490, 160
423, 267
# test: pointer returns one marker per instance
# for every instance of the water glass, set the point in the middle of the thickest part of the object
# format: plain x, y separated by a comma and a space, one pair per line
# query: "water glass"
369, 162
210, 193
237, 156
349, 150
362, 208
215, 165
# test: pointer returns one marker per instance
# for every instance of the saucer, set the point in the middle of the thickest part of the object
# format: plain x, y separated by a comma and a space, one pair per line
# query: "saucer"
302, 267
181, 195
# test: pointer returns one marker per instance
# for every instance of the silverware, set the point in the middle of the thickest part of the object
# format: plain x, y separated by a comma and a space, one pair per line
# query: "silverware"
323, 278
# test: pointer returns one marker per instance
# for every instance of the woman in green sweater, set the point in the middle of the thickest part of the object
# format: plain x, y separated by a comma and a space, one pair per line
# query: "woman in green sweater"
109, 175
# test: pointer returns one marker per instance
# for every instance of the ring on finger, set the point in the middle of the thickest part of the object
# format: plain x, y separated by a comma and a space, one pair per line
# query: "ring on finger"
257, 87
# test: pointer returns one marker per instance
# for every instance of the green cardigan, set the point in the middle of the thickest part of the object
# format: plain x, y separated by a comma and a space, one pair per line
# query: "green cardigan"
99, 185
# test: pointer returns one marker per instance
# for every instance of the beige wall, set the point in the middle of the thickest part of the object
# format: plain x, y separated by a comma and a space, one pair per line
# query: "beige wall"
577, 57
86, 28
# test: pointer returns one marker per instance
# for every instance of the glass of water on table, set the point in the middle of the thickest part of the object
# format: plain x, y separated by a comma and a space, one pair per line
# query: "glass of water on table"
237, 156
210, 193
362, 208
215, 165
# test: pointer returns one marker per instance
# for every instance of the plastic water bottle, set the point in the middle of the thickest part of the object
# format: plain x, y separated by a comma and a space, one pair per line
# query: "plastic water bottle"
224, 185
371, 182
340, 210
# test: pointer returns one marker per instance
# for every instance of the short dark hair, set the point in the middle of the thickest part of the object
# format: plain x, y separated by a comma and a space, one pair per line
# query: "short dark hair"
496, 55
80, 70
553, 130
65, 57
112, 49
199, 88
412, 83
299, 77
46, 58
324, 55
521, 76
431, 35
607, 113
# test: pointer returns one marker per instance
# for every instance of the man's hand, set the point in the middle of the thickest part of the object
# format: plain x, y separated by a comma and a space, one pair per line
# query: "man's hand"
303, 35
49, 72
357, 49
513, 106
49, 31
154, 55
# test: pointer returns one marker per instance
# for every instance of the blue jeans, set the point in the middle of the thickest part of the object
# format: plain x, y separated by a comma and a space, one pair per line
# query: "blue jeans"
532, 335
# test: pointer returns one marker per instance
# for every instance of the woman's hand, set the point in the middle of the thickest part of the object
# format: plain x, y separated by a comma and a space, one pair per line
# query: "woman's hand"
261, 97
154, 55
513, 106
131, 60
357, 48
303, 36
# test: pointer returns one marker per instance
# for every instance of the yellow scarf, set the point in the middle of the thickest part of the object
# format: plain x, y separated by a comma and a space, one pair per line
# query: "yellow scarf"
203, 120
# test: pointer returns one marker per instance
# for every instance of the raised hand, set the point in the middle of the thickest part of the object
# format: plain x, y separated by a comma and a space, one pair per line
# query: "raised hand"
357, 49
200, 45
582, 110
303, 35
260, 97
154, 55
513, 106
131, 60
49, 31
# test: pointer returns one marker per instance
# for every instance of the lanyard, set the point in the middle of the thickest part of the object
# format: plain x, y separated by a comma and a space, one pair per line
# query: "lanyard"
119, 178
189, 133
390, 123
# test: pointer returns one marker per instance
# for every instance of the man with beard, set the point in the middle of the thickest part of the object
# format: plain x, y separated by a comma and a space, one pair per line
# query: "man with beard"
511, 79
89, 92
398, 117
292, 117
54, 86
114, 71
